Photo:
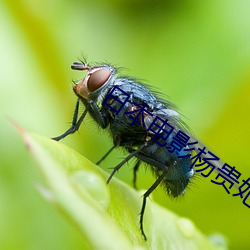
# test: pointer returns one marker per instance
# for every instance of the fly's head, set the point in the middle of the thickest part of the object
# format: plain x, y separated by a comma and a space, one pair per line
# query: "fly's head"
93, 85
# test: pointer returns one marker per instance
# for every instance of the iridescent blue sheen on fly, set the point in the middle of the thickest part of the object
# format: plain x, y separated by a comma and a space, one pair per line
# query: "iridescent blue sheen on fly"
138, 121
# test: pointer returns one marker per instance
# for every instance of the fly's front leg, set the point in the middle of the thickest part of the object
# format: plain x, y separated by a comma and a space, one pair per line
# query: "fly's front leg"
75, 123
93, 109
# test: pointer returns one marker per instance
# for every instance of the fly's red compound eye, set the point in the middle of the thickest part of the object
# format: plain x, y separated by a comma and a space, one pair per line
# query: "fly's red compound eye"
97, 79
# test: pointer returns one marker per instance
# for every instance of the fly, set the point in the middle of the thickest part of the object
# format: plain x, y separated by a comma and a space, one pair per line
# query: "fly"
139, 121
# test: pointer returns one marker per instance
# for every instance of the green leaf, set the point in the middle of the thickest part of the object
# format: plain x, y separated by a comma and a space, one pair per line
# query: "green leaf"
107, 215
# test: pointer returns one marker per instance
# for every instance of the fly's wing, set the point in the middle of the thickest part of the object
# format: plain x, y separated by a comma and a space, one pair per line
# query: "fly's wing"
175, 120
218, 164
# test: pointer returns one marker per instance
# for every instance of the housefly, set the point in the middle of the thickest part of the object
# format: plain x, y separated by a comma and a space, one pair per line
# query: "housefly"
145, 135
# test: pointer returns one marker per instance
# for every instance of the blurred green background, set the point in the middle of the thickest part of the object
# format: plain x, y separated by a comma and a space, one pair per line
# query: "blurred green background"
195, 52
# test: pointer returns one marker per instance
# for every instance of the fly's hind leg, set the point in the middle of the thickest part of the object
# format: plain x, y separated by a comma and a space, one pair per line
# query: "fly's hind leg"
145, 196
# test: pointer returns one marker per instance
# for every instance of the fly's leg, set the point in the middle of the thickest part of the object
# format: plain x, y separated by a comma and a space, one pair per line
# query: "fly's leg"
145, 196
75, 124
105, 155
91, 107
135, 169
124, 161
